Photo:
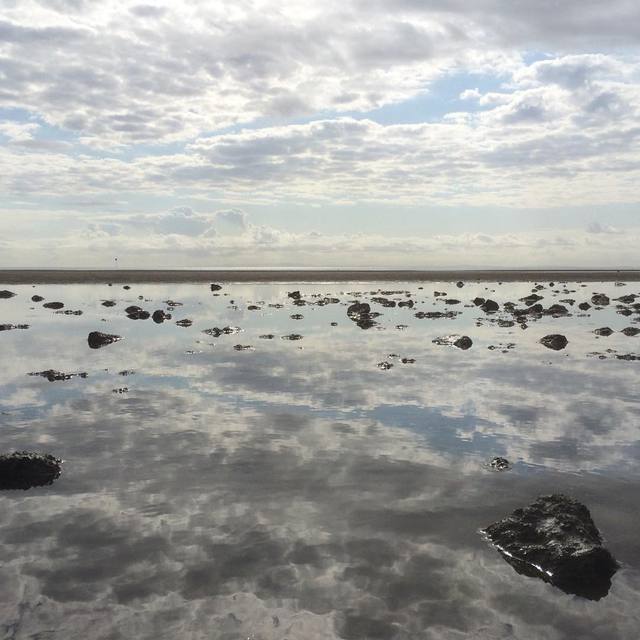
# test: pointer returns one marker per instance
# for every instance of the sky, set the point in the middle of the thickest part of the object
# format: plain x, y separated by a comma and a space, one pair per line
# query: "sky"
379, 134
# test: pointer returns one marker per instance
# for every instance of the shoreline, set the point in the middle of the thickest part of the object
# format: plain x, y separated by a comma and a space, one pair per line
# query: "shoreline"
174, 276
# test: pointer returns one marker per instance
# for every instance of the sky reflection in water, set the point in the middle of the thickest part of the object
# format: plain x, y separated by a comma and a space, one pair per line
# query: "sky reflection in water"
296, 490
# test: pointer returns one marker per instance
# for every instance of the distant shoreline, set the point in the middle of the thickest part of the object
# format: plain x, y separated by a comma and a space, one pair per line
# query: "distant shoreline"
160, 276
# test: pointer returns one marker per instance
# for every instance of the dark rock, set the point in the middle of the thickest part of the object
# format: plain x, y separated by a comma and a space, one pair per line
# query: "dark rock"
97, 339
334, 324
127, 287
108, 303
603, 331
137, 313
630, 331
37, 298
69, 312
408, 360
292, 336
499, 464
53, 305
490, 306
439, 293
243, 347
159, 316
295, 295
172, 303
555, 539
385, 366
451, 301
53, 376
267, 336
434, 315
297, 316
9, 327
556, 310
253, 307
628, 356
4, 294
360, 313
216, 332
385, 302
406, 303
584, 306
600, 300
186, 322
24, 470
460, 284
478, 301
624, 311
630, 299
531, 299
461, 342
216, 287
554, 341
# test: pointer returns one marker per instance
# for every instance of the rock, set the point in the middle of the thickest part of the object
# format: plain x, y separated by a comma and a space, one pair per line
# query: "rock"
600, 300
434, 315
554, 341
630, 331
385, 302
628, 356
97, 339
295, 295
159, 316
556, 310
53, 305
555, 539
499, 464
603, 331
360, 313
4, 294
584, 306
334, 324
406, 303
385, 366
108, 303
137, 313
69, 312
296, 316
461, 342
408, 360
9, 327
490, 306
53, 376
127, 287
460, 284
451, 301
531, 299
186, 322
215, 287
243, 347
267, 336
630, 299
478, 301
37, 298
253, 307
292, 336
216, 333
25, 469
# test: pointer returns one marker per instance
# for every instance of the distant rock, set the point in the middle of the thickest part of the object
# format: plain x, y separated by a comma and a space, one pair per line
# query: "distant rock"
137, 313
584, 306
360, 313
296, 316
406, 303
186, 322
603, 331
385, 366
267, 336
54, 376
499, 464
295, 295
555, 539
556, 310
97, 339
490, 306
435, 315
243, 347
215, 287
4, 294
478, 301
554, 341
37, 298
461, 342
159, 316
460, 284
10, 327
108, 303
630, 331
24, 470
216, 332
253, 307
531, 299
629, 299
53, 305
292, 336
600, 300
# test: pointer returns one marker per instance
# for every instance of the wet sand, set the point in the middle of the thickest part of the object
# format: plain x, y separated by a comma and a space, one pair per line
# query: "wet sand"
93, 276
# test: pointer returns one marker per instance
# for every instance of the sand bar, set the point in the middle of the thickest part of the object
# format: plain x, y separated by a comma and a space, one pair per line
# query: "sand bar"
124, 276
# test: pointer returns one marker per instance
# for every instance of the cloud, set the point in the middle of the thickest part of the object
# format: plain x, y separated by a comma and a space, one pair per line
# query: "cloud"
597, 228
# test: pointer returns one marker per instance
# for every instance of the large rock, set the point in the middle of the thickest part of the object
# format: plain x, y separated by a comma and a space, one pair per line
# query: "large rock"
134, 312
554, 341
600, 300
360, 313
555, 539
53, 305
461, 342
6, 294
97, 339
23, 470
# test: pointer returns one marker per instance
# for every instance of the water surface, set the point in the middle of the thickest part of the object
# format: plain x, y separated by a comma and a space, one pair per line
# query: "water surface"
297, 490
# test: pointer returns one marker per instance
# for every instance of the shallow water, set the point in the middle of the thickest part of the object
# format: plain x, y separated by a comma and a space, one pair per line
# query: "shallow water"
296, 490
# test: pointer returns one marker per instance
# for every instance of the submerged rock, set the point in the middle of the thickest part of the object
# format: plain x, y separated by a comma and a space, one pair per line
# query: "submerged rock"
24, 469
532, 298
6, 294
555, 539
554, 341
97, 339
